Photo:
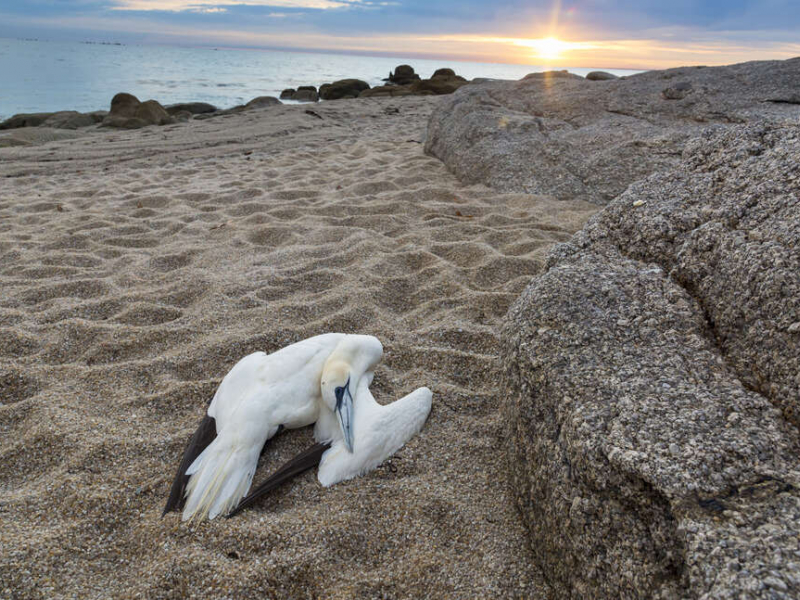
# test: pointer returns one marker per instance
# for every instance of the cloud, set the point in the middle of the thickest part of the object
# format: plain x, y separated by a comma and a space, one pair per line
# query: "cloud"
591, 33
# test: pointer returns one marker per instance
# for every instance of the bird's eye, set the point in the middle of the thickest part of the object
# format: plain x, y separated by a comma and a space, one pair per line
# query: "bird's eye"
339, 391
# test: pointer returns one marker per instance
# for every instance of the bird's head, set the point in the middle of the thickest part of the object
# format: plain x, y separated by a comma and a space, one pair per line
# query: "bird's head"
337, 386
353, 359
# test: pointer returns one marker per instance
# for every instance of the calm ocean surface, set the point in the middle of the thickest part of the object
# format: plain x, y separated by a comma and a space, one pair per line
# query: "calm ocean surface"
41, 76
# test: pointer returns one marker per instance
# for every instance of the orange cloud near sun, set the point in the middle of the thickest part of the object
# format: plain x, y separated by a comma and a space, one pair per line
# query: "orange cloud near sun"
634, 53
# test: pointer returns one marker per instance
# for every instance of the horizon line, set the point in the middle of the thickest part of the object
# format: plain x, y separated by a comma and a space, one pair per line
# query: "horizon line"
340, 52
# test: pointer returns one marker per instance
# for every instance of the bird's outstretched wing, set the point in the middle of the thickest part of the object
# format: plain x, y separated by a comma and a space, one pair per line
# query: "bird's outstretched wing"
301, 463
204, 435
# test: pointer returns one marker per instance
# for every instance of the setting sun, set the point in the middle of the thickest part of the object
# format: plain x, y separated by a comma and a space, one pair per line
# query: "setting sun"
549, 47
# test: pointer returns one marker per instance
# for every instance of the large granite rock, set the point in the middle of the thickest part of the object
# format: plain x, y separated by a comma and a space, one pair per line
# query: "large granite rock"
652, 387
127, 112
726, 226
562, 135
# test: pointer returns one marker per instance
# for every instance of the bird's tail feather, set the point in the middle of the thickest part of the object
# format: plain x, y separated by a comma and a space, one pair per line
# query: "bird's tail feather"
219, 477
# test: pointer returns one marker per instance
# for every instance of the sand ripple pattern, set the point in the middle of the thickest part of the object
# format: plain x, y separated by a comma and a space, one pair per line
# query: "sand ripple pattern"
137, 267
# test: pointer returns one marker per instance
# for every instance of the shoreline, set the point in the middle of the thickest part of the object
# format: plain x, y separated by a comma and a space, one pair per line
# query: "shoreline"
402, 81
174, 74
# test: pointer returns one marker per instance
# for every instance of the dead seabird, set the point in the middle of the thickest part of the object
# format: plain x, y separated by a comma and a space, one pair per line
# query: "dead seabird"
259, 395
378, 432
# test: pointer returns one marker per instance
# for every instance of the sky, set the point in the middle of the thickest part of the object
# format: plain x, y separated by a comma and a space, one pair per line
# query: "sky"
638, 34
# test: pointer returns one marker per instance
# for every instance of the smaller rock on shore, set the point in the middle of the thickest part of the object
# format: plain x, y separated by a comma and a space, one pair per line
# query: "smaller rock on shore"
127, 112
344, 88
65, 119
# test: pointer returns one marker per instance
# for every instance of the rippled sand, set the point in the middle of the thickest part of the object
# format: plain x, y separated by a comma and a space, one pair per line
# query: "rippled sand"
136, 267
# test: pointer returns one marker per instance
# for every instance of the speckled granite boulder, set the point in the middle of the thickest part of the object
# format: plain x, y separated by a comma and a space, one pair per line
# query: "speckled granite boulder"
651, 384
565, 136
726, 226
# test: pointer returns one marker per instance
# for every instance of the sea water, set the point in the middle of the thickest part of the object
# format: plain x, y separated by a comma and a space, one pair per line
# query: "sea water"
44, 76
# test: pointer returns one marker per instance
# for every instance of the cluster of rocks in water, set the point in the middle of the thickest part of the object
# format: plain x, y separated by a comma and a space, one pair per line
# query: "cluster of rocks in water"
651, 373
128, 112
403, 81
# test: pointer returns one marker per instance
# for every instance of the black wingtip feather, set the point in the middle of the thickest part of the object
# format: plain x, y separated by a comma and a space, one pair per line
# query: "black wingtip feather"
204, 435
301, 463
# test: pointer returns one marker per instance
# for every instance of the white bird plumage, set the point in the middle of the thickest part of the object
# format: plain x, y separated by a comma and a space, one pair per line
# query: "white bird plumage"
380, 431
290, 387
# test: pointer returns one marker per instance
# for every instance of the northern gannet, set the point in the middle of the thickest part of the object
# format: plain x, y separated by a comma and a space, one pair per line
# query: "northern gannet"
379, 432
259, 395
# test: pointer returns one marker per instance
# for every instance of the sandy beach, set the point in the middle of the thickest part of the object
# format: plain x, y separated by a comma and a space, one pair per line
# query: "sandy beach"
137, 267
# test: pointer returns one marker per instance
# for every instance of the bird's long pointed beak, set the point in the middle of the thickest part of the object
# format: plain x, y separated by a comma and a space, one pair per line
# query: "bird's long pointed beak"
344, 409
